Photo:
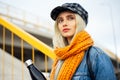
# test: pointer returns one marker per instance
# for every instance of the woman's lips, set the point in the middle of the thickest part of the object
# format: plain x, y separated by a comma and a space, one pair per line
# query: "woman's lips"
66, 29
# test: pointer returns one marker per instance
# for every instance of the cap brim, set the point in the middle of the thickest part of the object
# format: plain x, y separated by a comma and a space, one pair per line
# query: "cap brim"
56, 11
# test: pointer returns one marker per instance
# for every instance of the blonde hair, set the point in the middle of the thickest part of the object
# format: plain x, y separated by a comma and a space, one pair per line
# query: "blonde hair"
58, 40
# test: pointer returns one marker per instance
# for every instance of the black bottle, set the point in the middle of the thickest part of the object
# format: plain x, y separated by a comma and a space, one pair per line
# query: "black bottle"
34, 72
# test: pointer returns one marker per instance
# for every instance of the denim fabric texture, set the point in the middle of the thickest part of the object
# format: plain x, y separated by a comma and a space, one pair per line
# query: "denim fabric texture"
101, 66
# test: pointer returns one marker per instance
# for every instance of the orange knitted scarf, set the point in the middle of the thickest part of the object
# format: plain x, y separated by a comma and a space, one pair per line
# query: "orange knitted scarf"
72, 56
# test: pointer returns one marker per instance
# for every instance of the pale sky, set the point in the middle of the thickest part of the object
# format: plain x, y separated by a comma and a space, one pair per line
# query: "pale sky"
103, 17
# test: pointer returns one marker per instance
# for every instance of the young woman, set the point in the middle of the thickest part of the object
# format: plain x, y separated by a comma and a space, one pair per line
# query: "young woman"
71, 43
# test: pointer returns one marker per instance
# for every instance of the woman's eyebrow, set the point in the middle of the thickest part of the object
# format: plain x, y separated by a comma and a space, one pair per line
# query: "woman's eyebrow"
70, 15
59, 18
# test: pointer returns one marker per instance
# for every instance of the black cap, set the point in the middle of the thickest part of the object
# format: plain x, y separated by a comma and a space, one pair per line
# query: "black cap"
74, 7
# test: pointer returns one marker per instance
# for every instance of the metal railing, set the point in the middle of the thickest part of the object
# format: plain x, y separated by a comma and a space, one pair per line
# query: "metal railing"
24, 21
24, 37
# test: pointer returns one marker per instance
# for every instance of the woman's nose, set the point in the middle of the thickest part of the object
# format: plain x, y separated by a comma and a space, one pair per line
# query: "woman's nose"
65, 23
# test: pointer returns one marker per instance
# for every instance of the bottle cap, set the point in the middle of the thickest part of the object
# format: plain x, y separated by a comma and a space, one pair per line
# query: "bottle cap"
28, 62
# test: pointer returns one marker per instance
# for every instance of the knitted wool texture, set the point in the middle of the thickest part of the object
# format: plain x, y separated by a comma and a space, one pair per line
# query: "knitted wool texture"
72, 55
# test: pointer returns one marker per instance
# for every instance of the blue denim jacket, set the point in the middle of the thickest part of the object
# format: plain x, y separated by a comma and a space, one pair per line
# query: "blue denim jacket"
101, 66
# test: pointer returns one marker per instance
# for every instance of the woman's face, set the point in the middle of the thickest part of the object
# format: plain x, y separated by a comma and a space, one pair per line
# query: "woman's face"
67, 24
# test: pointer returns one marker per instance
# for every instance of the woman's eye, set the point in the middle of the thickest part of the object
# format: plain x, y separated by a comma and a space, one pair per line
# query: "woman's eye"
60, 21
70, 18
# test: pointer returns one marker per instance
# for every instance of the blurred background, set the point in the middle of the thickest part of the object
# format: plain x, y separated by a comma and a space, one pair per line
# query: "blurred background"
33, 17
